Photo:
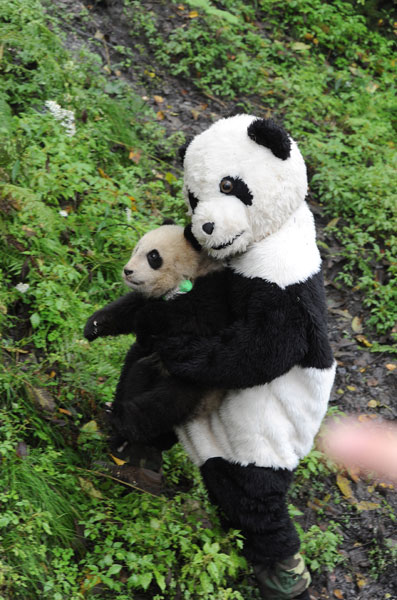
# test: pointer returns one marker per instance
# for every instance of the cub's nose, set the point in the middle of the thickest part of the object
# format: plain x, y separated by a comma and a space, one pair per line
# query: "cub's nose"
208, 228
128, 272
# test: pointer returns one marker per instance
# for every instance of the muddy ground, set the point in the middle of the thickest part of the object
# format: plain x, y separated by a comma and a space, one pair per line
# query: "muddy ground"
364, 385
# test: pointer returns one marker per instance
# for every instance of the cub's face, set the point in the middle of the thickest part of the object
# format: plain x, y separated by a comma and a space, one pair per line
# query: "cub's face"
244, 177
160, 261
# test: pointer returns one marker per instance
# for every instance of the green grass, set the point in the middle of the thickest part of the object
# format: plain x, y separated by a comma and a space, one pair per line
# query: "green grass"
72, 207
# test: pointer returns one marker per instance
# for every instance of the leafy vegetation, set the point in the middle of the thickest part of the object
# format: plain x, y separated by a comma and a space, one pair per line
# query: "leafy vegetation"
77, 191
72, 207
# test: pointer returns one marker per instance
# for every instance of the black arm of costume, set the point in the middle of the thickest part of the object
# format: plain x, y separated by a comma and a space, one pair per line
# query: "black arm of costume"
253, 351
116, 318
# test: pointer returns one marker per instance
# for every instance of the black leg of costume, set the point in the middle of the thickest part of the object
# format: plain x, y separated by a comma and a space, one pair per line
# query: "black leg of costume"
253, 499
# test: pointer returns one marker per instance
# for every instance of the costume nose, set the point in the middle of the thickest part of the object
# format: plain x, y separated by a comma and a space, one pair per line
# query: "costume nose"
208, 228
128, 272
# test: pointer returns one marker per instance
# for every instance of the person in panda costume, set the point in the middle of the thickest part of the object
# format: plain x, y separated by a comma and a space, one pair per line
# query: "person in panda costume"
245, 181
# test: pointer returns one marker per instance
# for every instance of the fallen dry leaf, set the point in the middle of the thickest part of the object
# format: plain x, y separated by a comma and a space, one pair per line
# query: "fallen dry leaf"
193, 14
118, 461
364, 418
102, 173
345, 487
333, 221
158, 99
338, 594
89, 489
373, 403
160, 115
361, 581
363, 340
99, 35
354, 473
365, 505
135, 155
357, 325
391, 366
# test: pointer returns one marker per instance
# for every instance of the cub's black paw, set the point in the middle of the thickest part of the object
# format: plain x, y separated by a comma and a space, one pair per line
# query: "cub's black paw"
97, 325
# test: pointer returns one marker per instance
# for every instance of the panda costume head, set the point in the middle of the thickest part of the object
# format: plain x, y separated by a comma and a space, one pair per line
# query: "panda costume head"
244, 178
163, 259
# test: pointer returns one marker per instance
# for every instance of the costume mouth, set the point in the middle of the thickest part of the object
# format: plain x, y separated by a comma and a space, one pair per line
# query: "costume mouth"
227, 243
132, 282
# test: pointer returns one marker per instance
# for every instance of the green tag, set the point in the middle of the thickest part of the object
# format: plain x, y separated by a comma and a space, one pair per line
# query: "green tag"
185, 286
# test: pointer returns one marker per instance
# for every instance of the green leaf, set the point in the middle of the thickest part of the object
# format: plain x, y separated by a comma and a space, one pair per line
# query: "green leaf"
300, 46
160, 580
214, 571
35, 320
170, 178
145, 580
114, 569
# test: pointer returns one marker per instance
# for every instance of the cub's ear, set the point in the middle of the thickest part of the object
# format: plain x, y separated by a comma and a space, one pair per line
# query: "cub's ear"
191, 239
168, 221
267, 133
182, 149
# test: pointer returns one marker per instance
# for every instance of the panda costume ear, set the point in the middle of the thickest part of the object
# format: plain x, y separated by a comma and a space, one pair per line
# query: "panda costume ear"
267, 133
182, 149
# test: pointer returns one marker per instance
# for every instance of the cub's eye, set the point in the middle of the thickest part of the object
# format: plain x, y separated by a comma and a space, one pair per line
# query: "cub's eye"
226, 185
154, 259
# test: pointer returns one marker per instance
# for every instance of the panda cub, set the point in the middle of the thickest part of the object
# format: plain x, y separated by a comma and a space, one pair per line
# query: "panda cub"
149, 402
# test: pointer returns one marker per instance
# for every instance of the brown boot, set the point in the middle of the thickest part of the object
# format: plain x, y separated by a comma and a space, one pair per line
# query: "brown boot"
285, 580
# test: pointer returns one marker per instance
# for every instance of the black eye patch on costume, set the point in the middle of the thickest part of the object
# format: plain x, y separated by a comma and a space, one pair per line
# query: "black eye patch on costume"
154, 259
234, 186
193, 200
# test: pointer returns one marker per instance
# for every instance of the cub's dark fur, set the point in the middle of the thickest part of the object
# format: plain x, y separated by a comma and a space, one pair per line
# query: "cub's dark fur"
149, 402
